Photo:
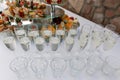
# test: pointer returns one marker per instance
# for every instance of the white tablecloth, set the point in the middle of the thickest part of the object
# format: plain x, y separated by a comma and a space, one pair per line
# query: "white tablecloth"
6, 56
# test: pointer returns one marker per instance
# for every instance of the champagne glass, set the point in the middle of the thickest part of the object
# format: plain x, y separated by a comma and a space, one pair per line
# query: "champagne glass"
46, 33
60, 34
69, 42
58, 66
54, 43
8, 39
110, 40
19, 66
39, 42
6, 33
97, 38
39, 66
84, 37
72, 32
25, 43
33, 31
10, 42
20, 32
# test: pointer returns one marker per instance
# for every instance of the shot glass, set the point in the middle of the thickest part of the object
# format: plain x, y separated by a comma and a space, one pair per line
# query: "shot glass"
54, 41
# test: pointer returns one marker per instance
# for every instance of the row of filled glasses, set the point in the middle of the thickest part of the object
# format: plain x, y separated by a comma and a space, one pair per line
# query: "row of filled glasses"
39, 67
39, 38
96, 36
104, 36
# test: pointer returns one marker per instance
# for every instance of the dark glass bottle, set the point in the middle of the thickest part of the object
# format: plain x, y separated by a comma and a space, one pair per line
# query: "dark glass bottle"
31, 4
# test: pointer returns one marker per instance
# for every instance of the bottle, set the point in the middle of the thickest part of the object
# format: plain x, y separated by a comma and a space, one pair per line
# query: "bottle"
31, 4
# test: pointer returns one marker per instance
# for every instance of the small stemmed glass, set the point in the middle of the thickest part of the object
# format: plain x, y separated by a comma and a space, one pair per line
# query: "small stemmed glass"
84, 37
73, 31
110, 37
33, 31
69, 42
54, 42
47, 34
61, 34
96, 38
10, 42
25, 43
8, 39
40, 44
20, 32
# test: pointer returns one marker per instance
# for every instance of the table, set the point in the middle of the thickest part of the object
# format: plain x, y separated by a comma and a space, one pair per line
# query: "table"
6, 56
